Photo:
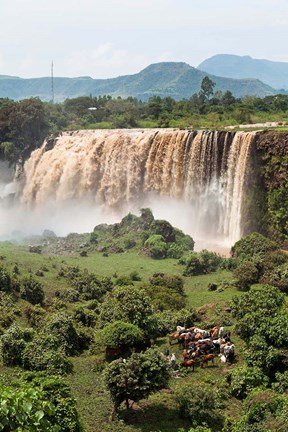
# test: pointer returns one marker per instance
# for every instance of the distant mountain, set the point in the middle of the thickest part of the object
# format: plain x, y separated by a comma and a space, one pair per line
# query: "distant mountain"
272, 73
178, 80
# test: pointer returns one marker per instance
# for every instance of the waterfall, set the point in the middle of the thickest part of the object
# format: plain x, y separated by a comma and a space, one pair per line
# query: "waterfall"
202, 174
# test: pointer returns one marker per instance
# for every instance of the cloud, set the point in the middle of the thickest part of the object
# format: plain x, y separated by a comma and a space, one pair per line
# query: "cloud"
103, 61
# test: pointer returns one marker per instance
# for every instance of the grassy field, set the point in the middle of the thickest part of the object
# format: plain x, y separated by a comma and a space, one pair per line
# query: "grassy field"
159, 412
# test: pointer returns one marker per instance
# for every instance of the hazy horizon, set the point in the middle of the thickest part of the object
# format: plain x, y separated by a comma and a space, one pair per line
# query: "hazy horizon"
105, 40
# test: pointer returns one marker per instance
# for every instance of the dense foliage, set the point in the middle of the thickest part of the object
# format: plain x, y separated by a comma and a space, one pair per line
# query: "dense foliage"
24, 124
38, 403
70, 333
137, 377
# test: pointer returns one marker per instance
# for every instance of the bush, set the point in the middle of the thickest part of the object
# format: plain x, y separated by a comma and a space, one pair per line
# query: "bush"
32, 291
246, 275
281, 384
169, 281
264, 299
136, 377
87, 285
277, 277
123, 281
26, 409
264, 410
56, 390
5, 280
34, 315
93, 238
85, 316
156, 246
262, 355
175, 251
121, 334
163, 229
8, 310
131, 305
254, 244
169, 320
44, 353
201, 263
62, 327
197, 403
13, 342
134, 276
163, 298
244, 379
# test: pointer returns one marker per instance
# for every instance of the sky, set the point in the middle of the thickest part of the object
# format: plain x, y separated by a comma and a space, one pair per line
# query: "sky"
105, 39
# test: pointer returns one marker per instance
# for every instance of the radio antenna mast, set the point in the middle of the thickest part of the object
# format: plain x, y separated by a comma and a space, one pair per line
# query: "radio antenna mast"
52, 84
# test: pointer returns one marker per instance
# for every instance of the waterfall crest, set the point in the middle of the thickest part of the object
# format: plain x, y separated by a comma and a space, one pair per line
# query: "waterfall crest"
203, 172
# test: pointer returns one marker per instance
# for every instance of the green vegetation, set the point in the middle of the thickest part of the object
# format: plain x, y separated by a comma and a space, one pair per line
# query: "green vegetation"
174, 79
26, 123
100, 313
137, 377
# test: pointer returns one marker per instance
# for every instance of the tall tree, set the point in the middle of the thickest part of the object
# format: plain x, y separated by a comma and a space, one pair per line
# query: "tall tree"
137, 377
207, 86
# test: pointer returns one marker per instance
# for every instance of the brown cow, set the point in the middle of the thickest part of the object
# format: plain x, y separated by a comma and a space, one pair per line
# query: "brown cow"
206, 359
188, 363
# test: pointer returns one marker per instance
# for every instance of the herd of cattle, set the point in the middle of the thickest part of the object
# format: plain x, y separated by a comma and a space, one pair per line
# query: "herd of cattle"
202, 345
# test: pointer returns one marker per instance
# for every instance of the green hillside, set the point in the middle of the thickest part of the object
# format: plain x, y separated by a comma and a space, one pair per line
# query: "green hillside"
272, 73
178, 80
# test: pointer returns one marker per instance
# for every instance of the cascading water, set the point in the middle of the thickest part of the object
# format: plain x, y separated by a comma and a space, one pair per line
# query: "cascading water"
198, 177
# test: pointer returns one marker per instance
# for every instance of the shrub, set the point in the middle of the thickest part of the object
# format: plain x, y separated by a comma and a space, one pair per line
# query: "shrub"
119, 334
87, 285
56, 390
44, 353
5, 280
168, 320
8, 310
277, 277
281, 384
32, 291
156, 246
163, 298
184, 240
26, 409
197, 403
128, 304
134, 276
264, 410
13, 342
244, 379
253, 244
34, 315
136, 377
85, 316
169, 281
62, 327
164, 229
123, 281
262, 355
246, 275
175, 251
201, 263
262, 298
93, 238
129, 243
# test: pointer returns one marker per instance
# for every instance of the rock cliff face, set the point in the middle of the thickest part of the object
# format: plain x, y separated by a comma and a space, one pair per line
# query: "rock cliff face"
272, 151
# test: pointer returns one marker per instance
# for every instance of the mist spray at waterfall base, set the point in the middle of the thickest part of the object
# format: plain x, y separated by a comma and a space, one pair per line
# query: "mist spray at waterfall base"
195, 180
17, 222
